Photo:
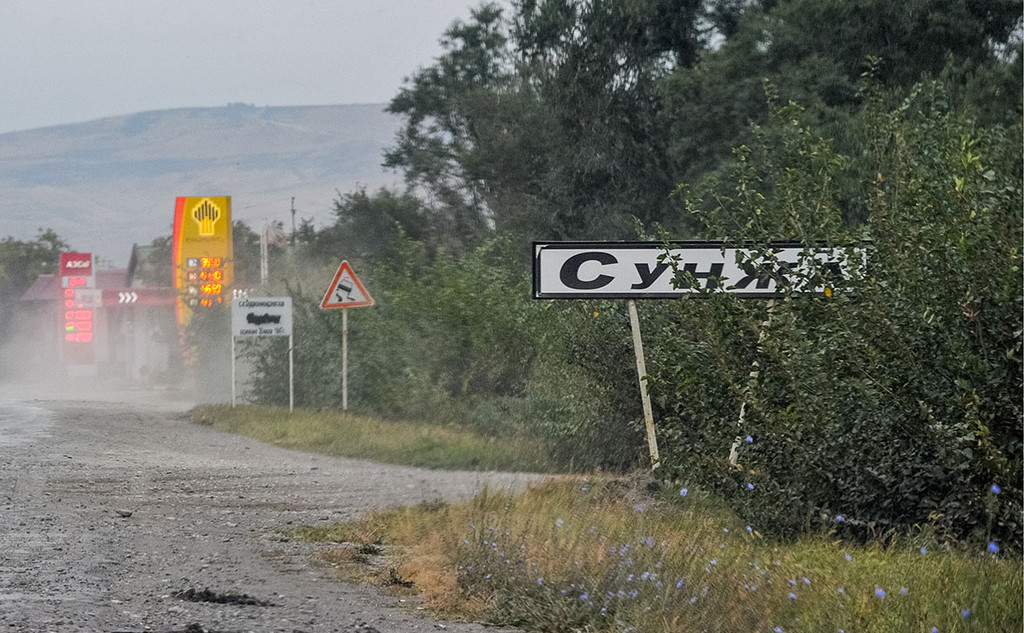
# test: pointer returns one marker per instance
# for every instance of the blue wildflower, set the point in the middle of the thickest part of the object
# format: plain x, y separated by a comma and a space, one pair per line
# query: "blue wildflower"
806, 580
904, 591
749, 439
679, 584
880, 592
558, 522
993, 547
540, 581
840, 518
792, 595
996, 489
965, 613
682, 493
924, 550
750, 486
848, 557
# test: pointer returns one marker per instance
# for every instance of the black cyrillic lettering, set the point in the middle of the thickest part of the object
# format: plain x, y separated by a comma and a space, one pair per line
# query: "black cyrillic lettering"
647, 276
570, 272
712, 276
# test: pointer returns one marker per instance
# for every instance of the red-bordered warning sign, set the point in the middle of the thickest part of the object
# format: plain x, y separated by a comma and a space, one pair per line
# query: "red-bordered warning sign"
346, 291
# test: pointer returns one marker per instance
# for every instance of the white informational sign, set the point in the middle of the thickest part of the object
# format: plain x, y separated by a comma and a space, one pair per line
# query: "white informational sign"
638, 270
261, 316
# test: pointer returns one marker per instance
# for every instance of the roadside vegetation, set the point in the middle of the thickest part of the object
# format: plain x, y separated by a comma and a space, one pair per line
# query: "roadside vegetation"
624, 554
394, 442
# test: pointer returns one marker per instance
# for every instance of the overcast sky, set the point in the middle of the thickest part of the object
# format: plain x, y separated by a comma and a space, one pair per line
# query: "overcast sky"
67, 61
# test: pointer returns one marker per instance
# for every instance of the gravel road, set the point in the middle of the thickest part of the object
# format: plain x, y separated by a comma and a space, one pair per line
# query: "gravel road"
114, 508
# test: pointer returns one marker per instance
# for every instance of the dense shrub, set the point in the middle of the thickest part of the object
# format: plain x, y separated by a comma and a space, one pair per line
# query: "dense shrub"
892, 404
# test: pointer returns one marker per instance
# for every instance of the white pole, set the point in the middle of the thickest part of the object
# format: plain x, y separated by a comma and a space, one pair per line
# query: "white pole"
291, 373
264, 243
641, 370
755, 371
232, 371
344, 359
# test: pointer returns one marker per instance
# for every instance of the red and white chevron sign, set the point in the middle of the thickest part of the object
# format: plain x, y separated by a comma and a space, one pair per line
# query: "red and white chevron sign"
139, 297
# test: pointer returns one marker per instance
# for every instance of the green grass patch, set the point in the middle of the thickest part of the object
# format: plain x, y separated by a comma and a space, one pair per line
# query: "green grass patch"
602, 554
394, 442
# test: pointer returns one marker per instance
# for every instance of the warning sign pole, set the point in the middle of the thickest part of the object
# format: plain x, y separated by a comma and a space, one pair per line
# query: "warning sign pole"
344, 359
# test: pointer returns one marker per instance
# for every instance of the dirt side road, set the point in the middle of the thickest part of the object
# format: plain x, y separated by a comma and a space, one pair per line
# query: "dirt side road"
204, 507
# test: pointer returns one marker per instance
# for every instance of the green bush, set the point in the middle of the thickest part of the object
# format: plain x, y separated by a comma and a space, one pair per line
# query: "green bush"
893, 404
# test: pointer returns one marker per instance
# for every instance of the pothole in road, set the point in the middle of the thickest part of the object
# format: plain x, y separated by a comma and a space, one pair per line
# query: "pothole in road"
216, 597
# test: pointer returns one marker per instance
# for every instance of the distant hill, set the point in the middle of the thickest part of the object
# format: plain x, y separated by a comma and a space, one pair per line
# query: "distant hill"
104, 185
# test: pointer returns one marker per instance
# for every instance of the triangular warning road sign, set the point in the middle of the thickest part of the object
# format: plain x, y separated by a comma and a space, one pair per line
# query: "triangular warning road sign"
346, 291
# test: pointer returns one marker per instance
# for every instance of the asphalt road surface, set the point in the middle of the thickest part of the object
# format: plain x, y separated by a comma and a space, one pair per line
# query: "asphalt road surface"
118, 515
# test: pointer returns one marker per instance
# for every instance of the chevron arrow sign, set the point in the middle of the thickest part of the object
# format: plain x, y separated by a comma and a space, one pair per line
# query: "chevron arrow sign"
131, 297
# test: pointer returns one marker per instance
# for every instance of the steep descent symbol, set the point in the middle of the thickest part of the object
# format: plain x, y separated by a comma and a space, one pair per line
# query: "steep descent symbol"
206, 215
346, 291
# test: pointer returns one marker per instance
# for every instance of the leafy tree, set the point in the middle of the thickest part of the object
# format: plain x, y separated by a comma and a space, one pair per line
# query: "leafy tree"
245, 247
21, 262
432, 146
814, 53
371, 226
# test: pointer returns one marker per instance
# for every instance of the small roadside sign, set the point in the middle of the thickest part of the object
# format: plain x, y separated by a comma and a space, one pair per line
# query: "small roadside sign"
346, 291
261, 316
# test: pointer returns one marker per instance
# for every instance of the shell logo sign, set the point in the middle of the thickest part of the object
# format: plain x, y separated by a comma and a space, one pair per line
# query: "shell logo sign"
206, 215
202, 253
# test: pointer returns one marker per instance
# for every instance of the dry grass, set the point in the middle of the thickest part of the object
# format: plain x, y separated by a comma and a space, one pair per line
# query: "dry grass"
604, 554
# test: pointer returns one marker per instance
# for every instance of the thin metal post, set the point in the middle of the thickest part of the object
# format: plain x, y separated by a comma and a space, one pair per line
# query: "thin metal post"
291, 373
641, 370
344, 359
232, 371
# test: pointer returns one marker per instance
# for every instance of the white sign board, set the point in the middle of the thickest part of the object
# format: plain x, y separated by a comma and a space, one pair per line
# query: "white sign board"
636, 270
261, 316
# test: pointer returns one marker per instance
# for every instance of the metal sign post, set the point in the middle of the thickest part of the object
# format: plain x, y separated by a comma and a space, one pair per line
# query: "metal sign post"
641, 371
263, 316
344, 359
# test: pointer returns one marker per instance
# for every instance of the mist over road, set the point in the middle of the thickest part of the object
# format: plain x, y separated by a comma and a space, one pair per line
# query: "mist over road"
111, 505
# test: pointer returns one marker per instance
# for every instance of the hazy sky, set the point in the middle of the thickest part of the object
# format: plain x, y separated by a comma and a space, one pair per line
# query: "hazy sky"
67, 61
